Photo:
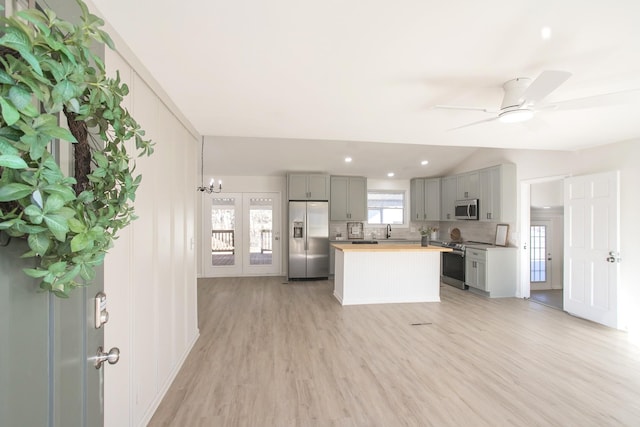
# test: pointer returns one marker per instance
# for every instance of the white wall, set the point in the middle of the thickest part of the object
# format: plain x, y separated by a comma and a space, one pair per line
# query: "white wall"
549, 193
150, 274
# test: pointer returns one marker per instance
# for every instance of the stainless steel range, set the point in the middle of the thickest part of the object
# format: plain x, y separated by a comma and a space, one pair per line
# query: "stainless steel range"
452, 271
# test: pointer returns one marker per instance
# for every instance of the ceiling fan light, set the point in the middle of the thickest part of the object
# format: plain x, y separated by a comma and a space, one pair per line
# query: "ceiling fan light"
516, 116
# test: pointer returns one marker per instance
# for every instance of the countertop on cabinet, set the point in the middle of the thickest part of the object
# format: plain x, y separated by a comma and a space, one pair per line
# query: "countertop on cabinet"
402, 247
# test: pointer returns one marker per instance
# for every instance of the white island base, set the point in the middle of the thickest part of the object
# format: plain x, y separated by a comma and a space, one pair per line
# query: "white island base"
386, 274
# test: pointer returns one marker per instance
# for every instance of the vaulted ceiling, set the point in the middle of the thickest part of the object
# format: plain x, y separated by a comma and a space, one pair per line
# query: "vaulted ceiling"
288, 72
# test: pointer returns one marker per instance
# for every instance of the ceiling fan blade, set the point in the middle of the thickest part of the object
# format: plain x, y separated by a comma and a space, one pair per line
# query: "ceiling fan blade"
456, 107
474, 123
595, 101
546, 83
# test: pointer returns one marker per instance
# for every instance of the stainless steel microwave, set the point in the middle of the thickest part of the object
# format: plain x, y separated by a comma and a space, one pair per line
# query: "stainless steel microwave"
467, 209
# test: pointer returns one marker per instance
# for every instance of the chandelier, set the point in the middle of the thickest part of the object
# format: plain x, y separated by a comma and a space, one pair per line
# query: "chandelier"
212, 188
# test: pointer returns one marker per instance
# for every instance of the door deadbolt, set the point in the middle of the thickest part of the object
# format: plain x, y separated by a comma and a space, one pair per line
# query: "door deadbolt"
112, 357
100, 310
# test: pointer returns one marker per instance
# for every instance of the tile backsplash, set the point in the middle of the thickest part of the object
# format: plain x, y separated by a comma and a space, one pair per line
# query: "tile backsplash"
477, 231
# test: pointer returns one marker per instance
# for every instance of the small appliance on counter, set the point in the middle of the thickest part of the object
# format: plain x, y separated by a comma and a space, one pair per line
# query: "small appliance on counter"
355, 230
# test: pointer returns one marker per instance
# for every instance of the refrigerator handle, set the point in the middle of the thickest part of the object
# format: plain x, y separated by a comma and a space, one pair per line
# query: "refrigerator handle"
306, 234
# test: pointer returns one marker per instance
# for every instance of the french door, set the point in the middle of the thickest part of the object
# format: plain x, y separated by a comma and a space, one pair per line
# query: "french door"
242, 235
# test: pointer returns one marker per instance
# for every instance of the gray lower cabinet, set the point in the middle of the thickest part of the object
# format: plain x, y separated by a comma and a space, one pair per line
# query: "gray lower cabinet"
348, 198
492, 270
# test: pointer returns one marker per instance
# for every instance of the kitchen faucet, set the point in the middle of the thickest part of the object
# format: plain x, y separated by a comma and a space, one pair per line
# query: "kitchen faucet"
388, 230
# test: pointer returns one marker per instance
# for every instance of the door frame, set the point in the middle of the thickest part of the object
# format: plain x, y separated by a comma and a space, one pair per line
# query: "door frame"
524, 218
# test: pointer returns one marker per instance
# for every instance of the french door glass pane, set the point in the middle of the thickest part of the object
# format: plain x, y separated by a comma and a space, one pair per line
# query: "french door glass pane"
223, 230
538, 253
260, 231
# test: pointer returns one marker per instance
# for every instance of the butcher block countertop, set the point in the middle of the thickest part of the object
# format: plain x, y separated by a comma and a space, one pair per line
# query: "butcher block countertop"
409, 247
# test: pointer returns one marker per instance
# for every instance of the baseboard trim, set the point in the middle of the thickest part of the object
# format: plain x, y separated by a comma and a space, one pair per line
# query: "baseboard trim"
165, 388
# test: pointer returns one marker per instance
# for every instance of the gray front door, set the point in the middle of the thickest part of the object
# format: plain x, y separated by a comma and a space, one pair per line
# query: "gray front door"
47, 350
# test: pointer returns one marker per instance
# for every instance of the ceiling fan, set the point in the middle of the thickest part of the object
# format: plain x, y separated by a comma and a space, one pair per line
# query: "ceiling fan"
522, 98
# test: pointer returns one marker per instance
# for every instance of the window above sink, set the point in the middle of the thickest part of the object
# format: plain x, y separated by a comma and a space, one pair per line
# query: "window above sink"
386, 207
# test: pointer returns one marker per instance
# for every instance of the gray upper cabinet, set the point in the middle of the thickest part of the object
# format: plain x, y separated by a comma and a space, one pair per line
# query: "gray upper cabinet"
308, 186
348, 198
425, 199
495, 187
417, 199
468, 186
448, 196
498, 193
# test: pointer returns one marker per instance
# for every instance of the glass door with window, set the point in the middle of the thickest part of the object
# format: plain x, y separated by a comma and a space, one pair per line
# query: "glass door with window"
262, 239
224, 213
540, 255
245, 234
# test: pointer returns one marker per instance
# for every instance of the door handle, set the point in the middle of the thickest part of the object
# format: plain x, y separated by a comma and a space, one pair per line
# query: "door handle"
112, 357
614, 257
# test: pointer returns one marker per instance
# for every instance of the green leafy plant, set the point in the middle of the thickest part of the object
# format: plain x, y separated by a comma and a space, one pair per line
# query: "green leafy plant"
48, 70
427, 231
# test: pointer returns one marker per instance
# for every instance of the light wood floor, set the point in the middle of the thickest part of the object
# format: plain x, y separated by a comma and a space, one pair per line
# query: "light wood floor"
274, 354
550, 297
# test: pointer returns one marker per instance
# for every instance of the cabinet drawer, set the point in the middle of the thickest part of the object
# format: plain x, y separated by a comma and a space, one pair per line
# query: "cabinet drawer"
477, 254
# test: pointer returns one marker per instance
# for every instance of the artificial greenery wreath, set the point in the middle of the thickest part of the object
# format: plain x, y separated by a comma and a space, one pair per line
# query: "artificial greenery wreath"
48, 70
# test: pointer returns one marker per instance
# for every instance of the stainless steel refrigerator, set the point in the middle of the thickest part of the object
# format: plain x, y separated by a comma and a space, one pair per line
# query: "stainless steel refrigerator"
308, 240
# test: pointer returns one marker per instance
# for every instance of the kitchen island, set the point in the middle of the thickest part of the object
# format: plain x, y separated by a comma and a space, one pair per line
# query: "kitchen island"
376, 274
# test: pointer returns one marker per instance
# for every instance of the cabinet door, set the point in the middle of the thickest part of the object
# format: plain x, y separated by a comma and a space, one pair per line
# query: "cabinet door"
470, 273
432, 199
339, 198
498, 193
468, 187
357, 198
476, 269
297, 187
481, 275
448, 197
318, 187
417, 199
487, 206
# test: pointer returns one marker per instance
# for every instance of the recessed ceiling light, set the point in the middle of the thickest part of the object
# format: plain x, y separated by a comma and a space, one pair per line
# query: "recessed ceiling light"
546, 207
391, 174
348, 159
424, 162
545, 33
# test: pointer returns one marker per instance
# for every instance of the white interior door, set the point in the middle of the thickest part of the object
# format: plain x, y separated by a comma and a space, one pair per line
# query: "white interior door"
592, 247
